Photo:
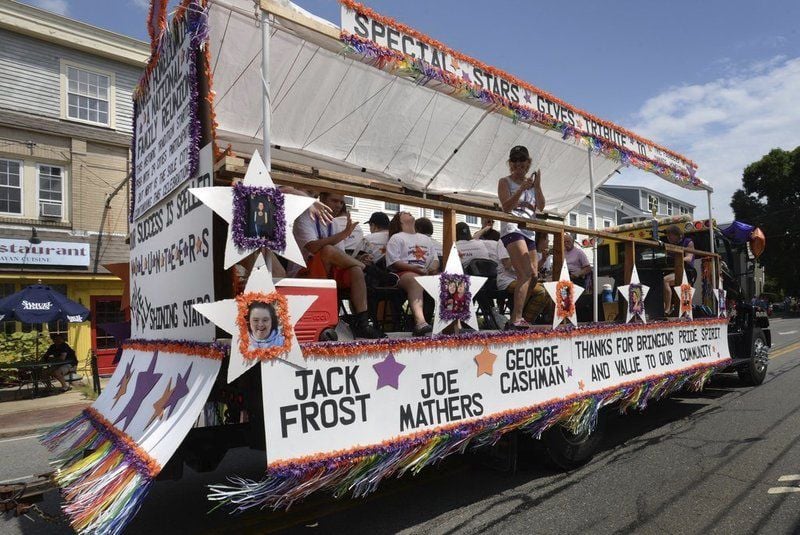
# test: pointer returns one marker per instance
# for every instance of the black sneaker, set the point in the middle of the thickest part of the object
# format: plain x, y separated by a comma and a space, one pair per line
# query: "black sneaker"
422, 330
520, 325
362, 328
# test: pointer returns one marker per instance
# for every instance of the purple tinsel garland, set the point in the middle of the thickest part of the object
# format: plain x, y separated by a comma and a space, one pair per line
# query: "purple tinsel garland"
241, 194
131, 455
444, 295
424, 72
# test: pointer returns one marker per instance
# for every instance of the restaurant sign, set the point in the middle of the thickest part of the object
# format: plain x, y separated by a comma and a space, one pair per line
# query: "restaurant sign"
47, 253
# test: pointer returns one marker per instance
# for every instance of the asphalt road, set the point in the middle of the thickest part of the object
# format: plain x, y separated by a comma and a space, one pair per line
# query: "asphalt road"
726, 460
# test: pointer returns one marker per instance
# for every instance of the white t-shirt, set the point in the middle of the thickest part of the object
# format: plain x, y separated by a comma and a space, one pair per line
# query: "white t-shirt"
307, 229
526, 207
504, 276
415, 249
439, 247
354, 239
469, 250
374, 244
491, 248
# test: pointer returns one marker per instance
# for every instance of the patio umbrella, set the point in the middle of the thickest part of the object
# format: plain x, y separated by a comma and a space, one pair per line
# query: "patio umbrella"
39, 304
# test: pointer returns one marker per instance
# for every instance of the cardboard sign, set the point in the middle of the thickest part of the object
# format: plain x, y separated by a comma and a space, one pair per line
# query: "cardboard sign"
172, 264
337, 404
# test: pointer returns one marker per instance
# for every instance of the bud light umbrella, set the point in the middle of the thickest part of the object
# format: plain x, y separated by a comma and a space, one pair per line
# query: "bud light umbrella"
39, 304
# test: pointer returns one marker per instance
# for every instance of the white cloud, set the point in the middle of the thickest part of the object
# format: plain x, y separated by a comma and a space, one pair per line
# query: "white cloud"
56, 6
141, 4
723, 125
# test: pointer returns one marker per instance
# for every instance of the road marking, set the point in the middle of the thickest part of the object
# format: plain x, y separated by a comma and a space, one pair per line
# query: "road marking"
7, 481
790, 477
789, 332
787, 349
782, 490
18, 438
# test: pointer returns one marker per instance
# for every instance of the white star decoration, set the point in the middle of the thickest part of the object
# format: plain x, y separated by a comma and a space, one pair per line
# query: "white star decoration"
722, 304
431, 284
220, 199
684, 313
624, 291
224, 314
552, 289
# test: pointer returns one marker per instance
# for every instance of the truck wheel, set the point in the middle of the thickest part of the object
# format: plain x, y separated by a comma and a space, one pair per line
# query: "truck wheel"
568, 450
754, 372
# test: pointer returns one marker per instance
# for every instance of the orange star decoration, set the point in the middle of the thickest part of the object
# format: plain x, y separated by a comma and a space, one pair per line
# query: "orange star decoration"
581, 384
485, 361
419, 252
122, 387
158, 406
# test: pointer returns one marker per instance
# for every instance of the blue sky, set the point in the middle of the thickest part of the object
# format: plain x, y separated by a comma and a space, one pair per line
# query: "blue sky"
717, 81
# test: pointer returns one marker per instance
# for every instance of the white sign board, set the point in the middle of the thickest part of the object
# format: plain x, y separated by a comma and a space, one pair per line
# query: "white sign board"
172, 264
395, 39
339, 404
167, 131
47, 253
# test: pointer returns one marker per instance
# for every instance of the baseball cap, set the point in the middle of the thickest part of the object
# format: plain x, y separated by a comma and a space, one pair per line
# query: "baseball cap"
379, 219
519, 153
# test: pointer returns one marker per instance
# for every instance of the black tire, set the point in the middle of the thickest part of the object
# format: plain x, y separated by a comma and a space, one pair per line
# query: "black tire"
568, 450
755, 370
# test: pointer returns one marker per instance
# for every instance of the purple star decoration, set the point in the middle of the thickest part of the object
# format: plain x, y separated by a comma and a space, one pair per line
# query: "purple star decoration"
180, 390
569, 372
145, 382
388, 371
243, 234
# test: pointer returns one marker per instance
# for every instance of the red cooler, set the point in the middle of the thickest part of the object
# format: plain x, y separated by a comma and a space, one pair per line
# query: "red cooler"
323, 316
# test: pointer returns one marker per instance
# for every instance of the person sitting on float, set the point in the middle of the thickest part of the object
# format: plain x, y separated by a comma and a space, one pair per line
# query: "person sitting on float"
577, 263
263, 325
423, 225
468, 248
675, 236
411, 254
326, 259
521, 196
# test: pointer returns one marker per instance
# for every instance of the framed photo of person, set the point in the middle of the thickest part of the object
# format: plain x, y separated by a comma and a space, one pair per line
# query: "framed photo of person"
454, 297
258, 218
265, 331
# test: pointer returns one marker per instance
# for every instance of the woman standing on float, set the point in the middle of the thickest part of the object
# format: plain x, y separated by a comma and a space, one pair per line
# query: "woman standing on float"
520, 196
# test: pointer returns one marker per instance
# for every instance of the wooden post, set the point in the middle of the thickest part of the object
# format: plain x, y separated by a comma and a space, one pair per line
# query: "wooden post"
678, 262
448, 234
558, 253
630, 260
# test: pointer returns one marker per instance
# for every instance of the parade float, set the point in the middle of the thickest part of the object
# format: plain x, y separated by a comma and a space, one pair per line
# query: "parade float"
372, 109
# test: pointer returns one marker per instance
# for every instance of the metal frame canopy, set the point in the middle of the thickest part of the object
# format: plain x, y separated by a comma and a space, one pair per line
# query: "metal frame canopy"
378, 98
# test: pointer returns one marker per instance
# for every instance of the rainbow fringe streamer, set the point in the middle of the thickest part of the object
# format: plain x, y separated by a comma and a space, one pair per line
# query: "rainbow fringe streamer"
360, 471
103, 481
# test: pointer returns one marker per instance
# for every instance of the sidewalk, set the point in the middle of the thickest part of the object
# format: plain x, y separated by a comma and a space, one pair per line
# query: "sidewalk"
37, 415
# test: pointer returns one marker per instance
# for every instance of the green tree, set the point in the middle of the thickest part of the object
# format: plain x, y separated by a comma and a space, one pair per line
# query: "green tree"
770, 199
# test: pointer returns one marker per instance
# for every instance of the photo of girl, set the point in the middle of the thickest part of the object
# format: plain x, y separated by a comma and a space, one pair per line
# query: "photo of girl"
635, 304
263, 326
686, 301
261, 218
454, 297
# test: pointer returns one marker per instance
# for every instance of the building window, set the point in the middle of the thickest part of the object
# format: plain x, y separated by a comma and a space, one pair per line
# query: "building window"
652, 203
684, 210
391, 206
51, 188
606, 223
438, 214
472, 220
349, 201
573, 220
670, 209
88, 96
589, 222
11, 187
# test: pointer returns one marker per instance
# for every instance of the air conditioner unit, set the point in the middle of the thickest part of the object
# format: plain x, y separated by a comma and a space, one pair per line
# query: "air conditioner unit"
50, 209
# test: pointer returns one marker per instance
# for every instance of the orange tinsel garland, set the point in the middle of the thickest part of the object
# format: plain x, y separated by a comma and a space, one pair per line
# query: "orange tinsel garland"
194, 349
360, 8
479, 340
565, 311
243, 302
153, 467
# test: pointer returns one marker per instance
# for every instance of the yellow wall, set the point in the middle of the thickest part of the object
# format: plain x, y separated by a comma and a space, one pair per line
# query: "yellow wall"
80, 289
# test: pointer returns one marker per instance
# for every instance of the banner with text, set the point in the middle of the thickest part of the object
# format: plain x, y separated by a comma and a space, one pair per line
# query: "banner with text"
172, 264
336, 405
167, 128
385, 35
47, 253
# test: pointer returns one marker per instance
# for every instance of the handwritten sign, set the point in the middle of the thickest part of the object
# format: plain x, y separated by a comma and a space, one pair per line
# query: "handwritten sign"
338, 404
167, 128
172, 264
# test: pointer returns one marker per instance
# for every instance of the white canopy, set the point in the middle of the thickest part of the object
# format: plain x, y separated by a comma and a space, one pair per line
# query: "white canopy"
332, 111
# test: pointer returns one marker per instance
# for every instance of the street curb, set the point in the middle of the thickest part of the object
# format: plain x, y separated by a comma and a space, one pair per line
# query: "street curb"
42, 427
